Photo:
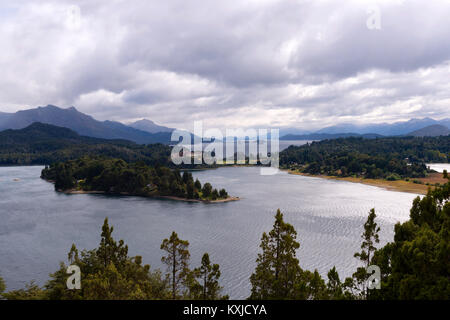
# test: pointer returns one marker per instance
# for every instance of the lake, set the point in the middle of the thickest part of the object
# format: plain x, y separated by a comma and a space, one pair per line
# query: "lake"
39, 225
439, 167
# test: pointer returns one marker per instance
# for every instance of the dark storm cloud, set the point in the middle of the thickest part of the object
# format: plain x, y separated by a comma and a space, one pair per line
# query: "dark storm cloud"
230, 63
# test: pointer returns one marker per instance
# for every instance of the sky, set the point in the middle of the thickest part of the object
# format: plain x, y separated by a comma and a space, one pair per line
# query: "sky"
232, 64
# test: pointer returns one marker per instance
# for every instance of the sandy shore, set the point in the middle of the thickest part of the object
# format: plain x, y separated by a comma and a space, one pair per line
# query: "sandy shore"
399, 185
198, 200
151, 196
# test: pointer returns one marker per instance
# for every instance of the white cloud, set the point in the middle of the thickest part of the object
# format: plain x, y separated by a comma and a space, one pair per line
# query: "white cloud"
230, 63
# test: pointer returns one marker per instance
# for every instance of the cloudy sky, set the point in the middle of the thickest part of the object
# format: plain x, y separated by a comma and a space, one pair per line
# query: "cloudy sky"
256, 63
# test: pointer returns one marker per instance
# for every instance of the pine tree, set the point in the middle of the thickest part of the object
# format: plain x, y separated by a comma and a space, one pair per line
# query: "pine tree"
190, 190
277, 269
370, 238
207, 189
209, 275
2, 286
177, 261
197, 184
334, 285
109, 251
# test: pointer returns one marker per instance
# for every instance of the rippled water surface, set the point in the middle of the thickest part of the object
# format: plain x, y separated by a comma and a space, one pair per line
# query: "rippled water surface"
38, 225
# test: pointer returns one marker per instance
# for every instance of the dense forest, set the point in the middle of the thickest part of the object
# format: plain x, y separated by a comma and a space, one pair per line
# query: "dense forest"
45, 144
117, 176
415, 265
389, 158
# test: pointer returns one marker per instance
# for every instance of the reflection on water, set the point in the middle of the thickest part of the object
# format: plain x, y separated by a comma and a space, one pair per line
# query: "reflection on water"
39, 225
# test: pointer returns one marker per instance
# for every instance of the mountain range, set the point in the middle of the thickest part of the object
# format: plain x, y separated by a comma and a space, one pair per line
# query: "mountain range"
146, 131
433, 130
82, 124
386, 129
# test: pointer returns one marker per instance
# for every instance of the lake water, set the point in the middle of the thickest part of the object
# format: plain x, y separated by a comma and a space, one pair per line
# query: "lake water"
284, 144
39, 225
439, 167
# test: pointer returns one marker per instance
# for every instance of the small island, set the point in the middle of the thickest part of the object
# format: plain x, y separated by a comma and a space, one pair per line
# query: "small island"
116, 176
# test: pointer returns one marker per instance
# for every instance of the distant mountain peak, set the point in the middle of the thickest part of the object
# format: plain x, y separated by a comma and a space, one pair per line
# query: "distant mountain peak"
149, 126
431, 131
81, 123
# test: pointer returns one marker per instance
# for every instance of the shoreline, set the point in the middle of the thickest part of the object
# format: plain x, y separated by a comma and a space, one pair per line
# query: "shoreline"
175, 198
399, 185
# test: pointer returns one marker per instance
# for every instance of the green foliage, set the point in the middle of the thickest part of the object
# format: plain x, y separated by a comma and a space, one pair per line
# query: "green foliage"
392, 158
177, 262
46, 144
204, 282
207, 189
2, 286
31, 292
108, 273
117, 176
416, 265
278, 274
357, 285
197, 184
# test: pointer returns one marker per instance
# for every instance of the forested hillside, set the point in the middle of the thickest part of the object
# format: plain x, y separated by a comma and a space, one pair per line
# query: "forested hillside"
45, 144
369, 158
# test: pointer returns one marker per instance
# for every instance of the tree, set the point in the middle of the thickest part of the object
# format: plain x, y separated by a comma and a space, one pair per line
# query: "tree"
223, 193
209, 275
336, 289
197, 185
207, 189
31, 292
445, 174
214, 194
187, 177
107, 273
190, 190
2, 286
109, 251
277, 270
416, 265
177, 261
370, 238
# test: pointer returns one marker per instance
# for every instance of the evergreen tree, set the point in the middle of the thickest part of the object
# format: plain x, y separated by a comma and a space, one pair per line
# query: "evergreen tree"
416, 265
207, 189
209, 275
370, 238
177, 261
107, 273
223, 193
109, 251
190, 190
2, 286
277, 269
197, 184
31, 292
